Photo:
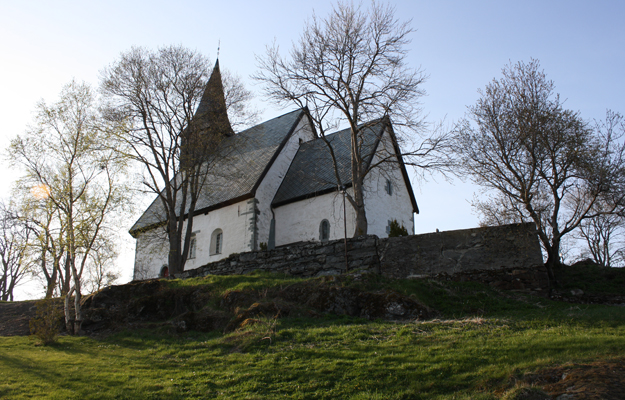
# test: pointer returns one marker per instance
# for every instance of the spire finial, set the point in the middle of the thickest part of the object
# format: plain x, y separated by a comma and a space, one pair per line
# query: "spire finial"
218, 47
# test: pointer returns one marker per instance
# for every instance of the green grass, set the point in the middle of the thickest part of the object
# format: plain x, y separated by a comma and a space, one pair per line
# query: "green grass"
481, 341
223, 283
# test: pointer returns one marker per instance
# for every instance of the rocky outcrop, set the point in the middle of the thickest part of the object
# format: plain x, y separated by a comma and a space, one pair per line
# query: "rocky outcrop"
153, 302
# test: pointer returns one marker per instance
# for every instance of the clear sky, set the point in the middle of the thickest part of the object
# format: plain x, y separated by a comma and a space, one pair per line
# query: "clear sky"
461, 45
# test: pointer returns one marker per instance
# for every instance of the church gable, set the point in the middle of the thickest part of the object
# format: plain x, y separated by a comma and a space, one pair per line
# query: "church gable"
312, 172
309, 206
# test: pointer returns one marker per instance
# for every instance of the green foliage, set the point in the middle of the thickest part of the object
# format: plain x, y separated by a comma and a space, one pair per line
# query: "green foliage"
47, 321
263, 246
397, 230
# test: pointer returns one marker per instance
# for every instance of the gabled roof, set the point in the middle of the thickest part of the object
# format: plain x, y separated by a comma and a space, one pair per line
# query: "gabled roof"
312, 171
234, 175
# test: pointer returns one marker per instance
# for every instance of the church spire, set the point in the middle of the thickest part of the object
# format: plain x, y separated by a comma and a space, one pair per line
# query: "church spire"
211, 115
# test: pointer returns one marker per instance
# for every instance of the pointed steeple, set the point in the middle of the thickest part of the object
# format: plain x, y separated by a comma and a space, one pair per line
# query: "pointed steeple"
211, 116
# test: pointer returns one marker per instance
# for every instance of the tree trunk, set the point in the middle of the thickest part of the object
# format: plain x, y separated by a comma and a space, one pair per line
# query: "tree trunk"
174, 258
69, 321
52, 281
553, 260
77, 311
357, 184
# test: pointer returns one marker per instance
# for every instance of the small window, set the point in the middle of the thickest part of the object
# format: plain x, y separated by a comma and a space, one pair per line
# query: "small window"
217, 239
324, 230
164, 272
389, 187
192, 246
388, 227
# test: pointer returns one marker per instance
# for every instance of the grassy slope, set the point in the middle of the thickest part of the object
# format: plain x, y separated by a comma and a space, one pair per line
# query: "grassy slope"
482, 340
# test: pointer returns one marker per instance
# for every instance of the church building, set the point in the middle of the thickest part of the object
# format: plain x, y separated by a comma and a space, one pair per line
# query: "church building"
275, 184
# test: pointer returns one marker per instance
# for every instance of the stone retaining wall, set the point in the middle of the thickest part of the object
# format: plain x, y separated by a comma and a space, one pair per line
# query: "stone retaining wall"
302, 259
451, 252
468, 254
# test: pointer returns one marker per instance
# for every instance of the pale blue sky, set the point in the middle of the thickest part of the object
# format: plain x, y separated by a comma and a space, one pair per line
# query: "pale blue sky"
461, 45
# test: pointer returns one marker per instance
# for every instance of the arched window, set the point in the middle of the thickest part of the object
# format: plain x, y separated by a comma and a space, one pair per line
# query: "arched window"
164, 272
324, 230
217, 241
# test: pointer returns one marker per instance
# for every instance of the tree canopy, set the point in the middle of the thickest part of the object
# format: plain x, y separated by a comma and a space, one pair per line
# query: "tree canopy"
156, 94
538, 161
73, 189
350, 68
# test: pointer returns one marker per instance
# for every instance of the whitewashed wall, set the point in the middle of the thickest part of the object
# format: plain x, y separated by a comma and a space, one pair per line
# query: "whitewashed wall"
381, 207
300, 221
234, 220
151, 254
269, 186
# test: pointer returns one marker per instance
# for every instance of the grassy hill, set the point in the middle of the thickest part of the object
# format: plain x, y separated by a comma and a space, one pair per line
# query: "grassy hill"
267, 336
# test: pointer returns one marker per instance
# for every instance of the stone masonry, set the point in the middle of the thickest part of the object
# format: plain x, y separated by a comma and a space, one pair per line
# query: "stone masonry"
507, 256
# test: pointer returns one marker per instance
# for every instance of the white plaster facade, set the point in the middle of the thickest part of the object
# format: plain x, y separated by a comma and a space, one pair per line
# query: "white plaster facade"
270, 184
301, 220
247, 223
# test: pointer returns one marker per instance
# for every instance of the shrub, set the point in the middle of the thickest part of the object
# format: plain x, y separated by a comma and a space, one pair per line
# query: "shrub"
397, 230
47, 322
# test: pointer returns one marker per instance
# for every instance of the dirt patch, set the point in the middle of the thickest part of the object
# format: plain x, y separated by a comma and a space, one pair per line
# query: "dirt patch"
601, 379
14, 317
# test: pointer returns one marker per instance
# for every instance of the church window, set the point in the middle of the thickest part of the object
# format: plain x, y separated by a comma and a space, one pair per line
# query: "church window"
324, 230
389, 187
192, 246
388, 227
217, 239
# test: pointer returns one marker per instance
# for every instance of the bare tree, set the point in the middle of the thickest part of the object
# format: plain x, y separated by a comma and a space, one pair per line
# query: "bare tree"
157, 94
14, 251
350, 68
77, 181
102, 259
542, 163
603, 235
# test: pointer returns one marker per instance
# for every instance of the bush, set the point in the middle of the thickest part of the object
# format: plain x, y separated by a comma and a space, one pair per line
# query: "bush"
397, 230
47, 322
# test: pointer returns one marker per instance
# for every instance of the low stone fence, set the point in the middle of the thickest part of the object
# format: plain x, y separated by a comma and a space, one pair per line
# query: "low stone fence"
507, 256
451, 252
302, 259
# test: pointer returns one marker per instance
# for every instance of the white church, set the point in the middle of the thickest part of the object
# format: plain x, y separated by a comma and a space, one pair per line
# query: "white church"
277, 187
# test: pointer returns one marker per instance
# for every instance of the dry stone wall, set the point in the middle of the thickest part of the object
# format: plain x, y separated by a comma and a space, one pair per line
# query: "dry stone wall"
506, 256
302, 259
452, 252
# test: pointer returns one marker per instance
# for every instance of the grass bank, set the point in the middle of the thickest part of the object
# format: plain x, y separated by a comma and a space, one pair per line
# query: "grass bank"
482, 342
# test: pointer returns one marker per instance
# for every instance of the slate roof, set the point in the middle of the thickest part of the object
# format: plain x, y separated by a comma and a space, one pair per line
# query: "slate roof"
312, 171
211, 113
243, 162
